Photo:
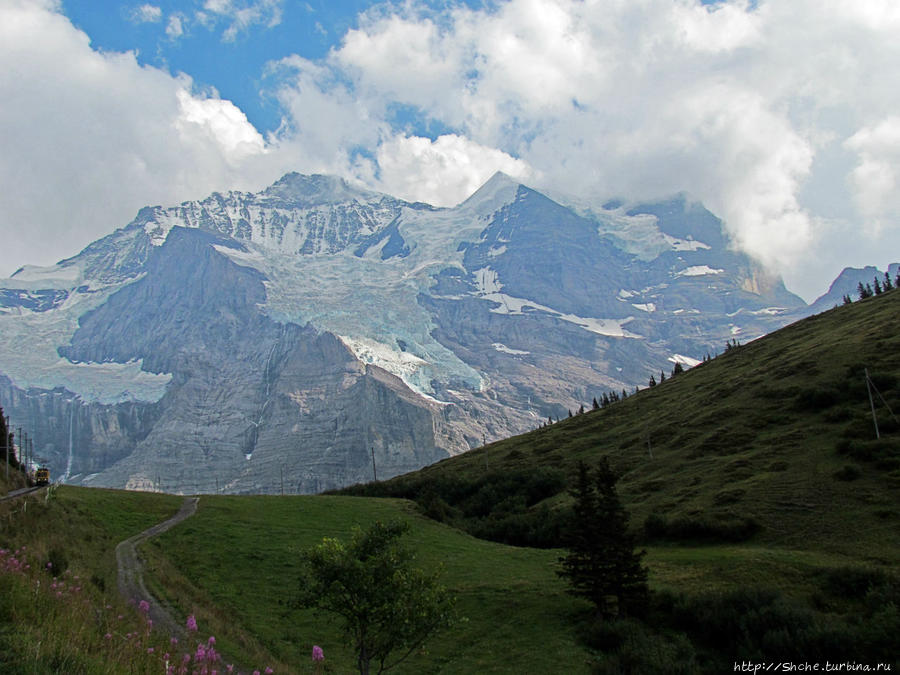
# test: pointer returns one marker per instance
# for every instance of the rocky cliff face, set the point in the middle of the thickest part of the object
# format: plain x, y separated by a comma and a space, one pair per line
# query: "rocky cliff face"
298, 336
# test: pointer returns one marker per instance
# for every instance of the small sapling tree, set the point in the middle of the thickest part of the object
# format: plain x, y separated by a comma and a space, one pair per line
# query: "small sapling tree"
387, 607
602, 565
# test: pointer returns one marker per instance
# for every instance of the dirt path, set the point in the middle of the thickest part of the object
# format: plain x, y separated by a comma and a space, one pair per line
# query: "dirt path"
131, 570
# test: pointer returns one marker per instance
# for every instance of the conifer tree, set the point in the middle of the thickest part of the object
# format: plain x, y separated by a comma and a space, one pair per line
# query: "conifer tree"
887, 282
677, 369
877, 287
581, 409
596, 404
662, 376
861, 291
652, 382
601, 563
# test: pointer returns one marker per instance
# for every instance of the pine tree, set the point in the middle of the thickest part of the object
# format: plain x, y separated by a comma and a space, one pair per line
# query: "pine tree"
848, 300
677, 369
861, 291
596, 404
887, 285
601, 564
662, 376
877, 287
581, 409
652, 382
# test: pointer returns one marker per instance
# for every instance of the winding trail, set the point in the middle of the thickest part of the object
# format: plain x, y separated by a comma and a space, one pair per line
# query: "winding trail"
131, 571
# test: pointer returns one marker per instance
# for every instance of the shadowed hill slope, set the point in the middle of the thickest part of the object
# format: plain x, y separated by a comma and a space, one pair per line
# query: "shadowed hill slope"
772, 441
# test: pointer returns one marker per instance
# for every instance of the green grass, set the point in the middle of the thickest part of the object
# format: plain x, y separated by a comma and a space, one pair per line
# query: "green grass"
242, 552
45, 630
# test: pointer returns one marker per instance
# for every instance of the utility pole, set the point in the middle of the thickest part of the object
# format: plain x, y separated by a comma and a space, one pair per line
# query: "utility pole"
374, 472
6, 444
282, 480
872, 403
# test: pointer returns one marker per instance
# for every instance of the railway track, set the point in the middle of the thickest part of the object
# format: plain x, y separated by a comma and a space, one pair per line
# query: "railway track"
21, 492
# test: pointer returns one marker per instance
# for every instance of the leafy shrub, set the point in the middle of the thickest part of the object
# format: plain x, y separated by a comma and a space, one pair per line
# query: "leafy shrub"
853, 582
699, 529
847, 472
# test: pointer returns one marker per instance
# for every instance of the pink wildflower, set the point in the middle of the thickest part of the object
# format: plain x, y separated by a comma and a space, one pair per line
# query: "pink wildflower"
144, 606
317, 653
150, 650
269, 671
211, 640
191, 623
173, 640
108, 636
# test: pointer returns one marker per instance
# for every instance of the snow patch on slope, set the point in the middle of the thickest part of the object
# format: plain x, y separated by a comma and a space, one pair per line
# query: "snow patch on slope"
489, 287
698, 271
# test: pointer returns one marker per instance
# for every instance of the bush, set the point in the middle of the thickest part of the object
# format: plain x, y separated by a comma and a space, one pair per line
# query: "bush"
847, 472
630, 646
700, 529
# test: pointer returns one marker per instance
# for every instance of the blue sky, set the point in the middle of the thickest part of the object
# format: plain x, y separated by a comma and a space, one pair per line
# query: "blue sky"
782, 118
235, 65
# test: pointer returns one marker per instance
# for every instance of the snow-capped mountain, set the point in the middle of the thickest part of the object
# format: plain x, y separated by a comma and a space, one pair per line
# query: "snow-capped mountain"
313, 330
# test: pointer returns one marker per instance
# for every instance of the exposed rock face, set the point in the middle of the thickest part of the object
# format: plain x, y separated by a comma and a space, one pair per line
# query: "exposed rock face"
314, 334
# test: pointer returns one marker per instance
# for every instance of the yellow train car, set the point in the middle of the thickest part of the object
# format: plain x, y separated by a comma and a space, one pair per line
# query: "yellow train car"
42, 476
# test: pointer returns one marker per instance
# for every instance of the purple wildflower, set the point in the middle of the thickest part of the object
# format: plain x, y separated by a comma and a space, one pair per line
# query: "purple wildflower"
144, 606
191, 623
317, 653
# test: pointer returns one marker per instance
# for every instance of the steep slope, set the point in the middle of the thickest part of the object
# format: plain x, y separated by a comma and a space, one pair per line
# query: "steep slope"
302, 334
774, 440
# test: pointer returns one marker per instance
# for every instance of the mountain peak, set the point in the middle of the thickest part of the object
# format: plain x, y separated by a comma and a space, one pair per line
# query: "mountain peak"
310, 190
499, 190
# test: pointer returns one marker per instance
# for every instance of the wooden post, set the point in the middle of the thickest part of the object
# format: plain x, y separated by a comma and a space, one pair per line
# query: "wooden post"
872, 403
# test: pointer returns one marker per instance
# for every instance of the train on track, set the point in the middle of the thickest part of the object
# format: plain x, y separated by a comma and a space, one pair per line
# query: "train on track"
42, 476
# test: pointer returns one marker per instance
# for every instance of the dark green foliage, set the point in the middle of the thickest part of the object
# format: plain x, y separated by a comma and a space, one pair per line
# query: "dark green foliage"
631, 646
500, 506
697, 529
601, 562
678, 369
848, 472
853, 582
384, 603
57, 562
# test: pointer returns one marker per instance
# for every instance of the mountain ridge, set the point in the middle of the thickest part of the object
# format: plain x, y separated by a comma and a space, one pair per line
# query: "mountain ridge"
489, 317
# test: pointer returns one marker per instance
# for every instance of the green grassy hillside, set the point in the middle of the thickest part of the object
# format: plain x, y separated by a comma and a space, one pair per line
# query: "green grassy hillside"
772, 442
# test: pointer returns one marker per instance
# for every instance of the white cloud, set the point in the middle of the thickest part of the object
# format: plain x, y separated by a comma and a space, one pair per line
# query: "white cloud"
241, 16
175, 26
876, 178
146, 14
88, 138
442, 172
